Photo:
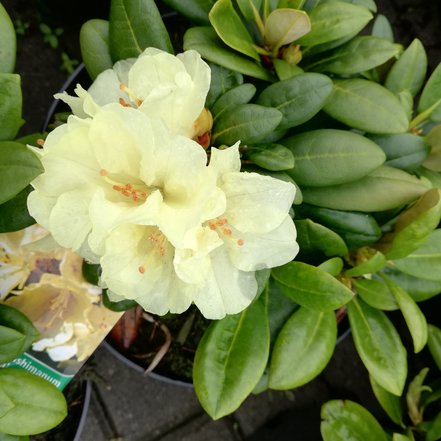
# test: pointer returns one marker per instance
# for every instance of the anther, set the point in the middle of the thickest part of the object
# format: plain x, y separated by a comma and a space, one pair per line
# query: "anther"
40, 141
240, 242
141, 269
103, 172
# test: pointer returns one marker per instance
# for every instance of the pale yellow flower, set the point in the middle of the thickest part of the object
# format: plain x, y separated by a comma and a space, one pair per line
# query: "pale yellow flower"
173, 88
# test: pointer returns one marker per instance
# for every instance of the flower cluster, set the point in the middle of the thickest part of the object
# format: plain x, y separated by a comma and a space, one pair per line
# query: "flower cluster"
127, 185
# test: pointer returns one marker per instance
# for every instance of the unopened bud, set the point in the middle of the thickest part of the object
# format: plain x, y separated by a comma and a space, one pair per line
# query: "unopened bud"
292, 54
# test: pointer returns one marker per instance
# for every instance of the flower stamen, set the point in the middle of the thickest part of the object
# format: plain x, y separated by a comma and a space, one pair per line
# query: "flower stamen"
221, 225
135, 100
127, 190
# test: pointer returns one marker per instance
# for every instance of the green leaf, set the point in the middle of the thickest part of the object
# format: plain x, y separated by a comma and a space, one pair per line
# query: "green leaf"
240, 94
409, 71
382, 28
419, 289
94, 43
248, 123
271, 157
425, 261
413, 226
403, 150
18, 167
6, 437
38, 405
299, 98
222, 80
334, 20
11, 344
415, 320
205, 41
230, 360
367, 106
285, 25
247, 10
196, 10
346, 420
413, 397
14, 214
26, 333
7, 42
378, 345
434, 433
313, 237
400, 437
230, 28
375, 293
433, 138
358, 55
390, 403
431, 95
329, 157
311, 287
10, 106
303, 348
356, 229
434, 344
369, 261
384, 188
135, 25
333, 266
285, 70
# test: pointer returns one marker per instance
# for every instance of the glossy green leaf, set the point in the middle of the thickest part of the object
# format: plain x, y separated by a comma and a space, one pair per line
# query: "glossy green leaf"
384, 188
375, 293
403, 150
240, 94
248, 123
313, 237
38, 405
414, 317
298, 98
433, 138
334, 20
196, 10
434, 432
7, 42
333, 266
358, 55
222, 80
271, 157
14, 214
367, 106
431, 95
285, 70
356, 229
419, 289
329, 157
401, 437
18, 167
311, 287
120, 306
370, 262
230, 28
378, 345
285, 25
413, 396
6, 437
434, 344
382, 28
368, 4
94, 44
135, 25
390, 403
10, 106
247, 9
425, 261
413, 226
346, 420
210, 46
303, 348
409, 71
11, 343
230, 360
14, 344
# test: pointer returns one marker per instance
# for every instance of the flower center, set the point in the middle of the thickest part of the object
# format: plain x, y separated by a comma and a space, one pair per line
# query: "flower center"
221, 226
127, 190
159, 243
134, 100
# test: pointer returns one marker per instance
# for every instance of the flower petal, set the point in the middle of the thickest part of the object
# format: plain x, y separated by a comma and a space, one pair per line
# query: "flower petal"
265, 250
256, 203
225, 160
